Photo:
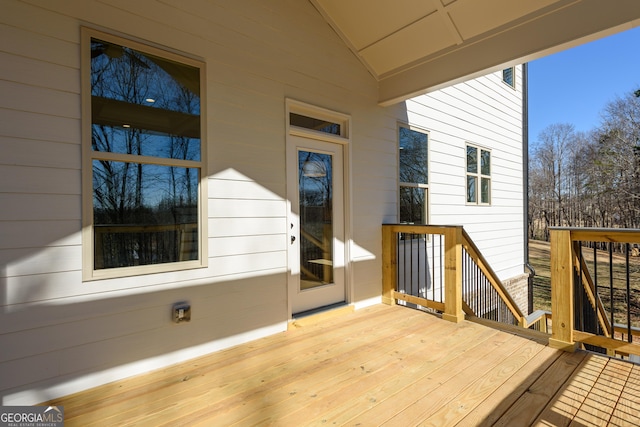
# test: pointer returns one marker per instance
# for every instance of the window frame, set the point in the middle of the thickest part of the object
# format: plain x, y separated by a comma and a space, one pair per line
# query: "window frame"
412, 185
89, 272
478, 175
511, 84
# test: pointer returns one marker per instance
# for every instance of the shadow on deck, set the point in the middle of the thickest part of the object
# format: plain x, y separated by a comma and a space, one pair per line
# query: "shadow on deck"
384, 365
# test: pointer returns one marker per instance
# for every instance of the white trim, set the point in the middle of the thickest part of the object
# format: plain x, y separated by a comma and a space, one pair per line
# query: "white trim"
344, 139
478, 175
88, 271
64, 386
400, 184
367, 302
293, 106
513, 75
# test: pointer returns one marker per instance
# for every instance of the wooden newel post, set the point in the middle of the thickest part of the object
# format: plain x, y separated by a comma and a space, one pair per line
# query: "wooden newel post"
389, 265
562, 290
453, 275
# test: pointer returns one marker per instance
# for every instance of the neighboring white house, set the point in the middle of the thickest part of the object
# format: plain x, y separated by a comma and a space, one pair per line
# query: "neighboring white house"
163, 158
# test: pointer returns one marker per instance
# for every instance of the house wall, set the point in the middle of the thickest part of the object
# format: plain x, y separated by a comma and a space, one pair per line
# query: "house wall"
484, 112
59, 334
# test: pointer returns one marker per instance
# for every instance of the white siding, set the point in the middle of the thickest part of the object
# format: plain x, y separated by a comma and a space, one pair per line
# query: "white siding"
485, 112
59, 334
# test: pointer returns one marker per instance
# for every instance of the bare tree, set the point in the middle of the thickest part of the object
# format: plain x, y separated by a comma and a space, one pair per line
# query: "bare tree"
588, 178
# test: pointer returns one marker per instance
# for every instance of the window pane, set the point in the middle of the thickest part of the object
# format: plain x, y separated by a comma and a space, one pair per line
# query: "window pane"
315, 185
144, 214
471, 189
507, 76
485, 162
413, 156
314, 124
116, 139
472, 159
412, 205
485, 185
143, 104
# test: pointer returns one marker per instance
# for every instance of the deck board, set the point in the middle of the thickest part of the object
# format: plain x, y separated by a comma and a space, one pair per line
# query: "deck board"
561, 410
377, 366
452, 380
597, 408
502, 398
413, 378
374, 369
527, 408
627, 411
476, 393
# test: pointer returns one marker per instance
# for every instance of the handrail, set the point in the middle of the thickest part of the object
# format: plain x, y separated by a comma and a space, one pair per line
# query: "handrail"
454, 307
594, 300
567, 266
538, 320
484, 266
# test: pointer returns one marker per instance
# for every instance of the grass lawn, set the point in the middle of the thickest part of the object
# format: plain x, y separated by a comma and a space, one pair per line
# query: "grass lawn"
539, 258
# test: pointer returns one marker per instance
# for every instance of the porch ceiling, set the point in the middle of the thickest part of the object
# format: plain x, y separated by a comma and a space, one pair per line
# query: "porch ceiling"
417, 46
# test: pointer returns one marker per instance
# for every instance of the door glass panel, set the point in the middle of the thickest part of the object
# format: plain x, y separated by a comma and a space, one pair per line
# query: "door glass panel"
315, 185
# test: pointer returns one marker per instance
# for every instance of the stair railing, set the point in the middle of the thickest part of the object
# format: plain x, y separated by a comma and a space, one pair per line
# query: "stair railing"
440, 268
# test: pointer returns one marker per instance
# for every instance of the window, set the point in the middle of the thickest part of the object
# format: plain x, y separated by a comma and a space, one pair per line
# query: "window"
509, 76
312, 123
414, 177
478, 172
143, 159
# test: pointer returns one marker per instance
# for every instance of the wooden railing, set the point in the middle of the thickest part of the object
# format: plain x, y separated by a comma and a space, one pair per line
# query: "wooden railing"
441, 268
594, 307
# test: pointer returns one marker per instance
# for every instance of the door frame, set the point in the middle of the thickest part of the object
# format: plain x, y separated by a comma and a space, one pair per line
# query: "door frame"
344, 139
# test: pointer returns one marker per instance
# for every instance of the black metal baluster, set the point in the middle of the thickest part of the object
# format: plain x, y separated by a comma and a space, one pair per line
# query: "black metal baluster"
611, 306
629, 336
397, 249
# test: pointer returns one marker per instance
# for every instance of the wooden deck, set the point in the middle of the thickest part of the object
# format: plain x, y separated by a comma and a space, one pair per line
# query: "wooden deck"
383, 365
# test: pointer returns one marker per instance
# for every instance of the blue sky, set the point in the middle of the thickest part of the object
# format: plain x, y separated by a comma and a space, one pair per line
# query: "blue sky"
573, 86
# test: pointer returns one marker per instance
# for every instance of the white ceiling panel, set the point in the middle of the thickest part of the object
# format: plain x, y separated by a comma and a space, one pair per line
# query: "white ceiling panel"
347, 16
423, 38
474, 18
415, 46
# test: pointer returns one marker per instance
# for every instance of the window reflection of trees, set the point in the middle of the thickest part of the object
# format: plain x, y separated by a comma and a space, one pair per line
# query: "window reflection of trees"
147, 109
413, 175
316, 215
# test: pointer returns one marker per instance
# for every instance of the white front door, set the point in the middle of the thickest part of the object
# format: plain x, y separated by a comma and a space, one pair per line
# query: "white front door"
316, 223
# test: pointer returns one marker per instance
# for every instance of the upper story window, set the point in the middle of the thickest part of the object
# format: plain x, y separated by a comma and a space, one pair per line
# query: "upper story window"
413, 175
509, 76
478, 175
143, 159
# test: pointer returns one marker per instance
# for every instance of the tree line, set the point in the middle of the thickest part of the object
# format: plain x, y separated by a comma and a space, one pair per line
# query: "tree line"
587, 179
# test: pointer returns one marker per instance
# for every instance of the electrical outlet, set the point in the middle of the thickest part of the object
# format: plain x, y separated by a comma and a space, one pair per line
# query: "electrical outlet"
181, 312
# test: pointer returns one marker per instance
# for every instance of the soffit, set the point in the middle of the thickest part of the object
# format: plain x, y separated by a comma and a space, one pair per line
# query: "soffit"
415, 46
